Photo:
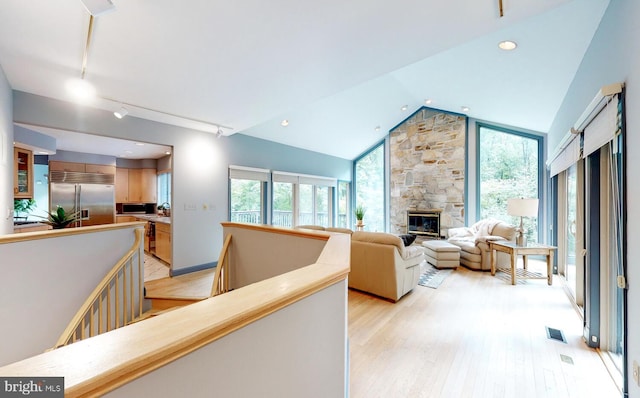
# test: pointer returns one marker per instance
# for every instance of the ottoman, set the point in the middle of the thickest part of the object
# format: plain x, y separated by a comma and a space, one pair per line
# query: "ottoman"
441, 254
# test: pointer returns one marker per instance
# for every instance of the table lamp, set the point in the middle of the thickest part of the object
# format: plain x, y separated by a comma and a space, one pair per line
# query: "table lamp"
521, 207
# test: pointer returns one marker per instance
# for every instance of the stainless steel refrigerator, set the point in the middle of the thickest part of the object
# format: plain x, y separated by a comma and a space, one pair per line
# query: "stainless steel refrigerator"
91, 194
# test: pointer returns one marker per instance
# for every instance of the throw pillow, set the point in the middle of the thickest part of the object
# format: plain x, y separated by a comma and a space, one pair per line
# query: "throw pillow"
408, 239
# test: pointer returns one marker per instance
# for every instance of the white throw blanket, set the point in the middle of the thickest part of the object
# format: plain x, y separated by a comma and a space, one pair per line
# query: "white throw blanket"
477, 230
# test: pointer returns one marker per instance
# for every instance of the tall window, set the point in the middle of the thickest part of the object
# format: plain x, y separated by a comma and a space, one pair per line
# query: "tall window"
164, 188
302, 200
305, 210
282, 204
509, 166
369, 180
343, 204
247, 189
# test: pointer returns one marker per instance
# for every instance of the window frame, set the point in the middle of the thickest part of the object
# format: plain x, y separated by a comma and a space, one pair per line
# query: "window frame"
354, 192
541, 169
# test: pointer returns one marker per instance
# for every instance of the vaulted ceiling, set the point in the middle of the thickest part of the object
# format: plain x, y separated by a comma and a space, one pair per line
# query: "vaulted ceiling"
338, 70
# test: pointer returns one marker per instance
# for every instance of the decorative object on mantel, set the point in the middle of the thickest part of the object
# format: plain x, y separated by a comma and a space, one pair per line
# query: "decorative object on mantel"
521, 207
359, 212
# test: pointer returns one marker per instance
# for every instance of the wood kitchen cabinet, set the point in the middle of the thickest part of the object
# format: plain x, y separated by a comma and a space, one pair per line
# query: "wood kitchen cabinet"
23, 173
163, 242
56, 165
136, 185
122, 185
100, 169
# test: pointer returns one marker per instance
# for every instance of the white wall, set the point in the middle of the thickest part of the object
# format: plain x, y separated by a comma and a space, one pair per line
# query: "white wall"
45, 281
6, 156
298, 351
614, 56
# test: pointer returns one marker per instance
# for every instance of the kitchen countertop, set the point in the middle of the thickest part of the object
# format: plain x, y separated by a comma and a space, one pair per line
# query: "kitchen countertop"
27, 227
153, 218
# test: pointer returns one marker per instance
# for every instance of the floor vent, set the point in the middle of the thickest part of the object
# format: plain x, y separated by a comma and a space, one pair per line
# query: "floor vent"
566, 359
555, 334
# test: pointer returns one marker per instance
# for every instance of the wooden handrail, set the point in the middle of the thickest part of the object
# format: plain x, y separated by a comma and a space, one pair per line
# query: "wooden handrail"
107, 294
95, 367
221, 277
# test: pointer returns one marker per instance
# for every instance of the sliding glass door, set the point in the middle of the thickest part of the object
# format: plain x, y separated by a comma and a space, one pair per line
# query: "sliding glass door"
573, 234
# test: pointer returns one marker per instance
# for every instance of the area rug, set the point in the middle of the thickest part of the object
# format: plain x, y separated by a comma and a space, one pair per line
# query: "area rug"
433, 277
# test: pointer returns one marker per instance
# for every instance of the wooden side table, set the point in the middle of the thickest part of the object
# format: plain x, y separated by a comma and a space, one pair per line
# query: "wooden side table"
513, 250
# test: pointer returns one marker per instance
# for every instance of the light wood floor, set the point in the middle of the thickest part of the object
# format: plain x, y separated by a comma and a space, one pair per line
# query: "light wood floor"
154, 268
474, 336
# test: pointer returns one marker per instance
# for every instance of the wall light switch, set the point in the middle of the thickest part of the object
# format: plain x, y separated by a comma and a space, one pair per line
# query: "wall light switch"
636, 373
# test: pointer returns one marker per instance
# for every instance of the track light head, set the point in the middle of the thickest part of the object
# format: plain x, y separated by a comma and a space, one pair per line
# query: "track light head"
219, 133
120, 113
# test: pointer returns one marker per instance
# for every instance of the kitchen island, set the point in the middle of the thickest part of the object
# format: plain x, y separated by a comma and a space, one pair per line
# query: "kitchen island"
30, 226
157, 235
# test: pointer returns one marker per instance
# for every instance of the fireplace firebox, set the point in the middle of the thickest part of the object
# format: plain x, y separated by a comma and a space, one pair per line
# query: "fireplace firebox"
425, 223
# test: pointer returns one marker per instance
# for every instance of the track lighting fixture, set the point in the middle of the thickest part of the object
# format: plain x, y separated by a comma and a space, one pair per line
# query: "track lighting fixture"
120, 113
219, 133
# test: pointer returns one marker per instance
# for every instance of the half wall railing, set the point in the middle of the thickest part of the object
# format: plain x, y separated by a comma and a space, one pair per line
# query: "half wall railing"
115, 302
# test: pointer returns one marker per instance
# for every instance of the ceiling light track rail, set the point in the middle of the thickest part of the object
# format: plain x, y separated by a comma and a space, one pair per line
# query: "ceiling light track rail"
133, 106
85, 56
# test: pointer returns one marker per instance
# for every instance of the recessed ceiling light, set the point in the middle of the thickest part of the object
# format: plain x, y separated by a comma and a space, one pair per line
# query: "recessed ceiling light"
465, 108
167, 153
507, 45
140, 143
428, 101
377, 128
284, 123
404, 108
128, 152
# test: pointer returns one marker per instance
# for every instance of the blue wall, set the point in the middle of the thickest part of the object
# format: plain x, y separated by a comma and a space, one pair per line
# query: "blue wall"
243, 150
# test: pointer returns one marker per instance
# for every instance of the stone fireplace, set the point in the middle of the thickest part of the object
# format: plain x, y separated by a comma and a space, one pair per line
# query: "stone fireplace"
427, 160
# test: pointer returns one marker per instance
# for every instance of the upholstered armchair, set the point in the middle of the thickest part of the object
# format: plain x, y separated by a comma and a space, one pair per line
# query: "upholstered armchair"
474, 246
382, 265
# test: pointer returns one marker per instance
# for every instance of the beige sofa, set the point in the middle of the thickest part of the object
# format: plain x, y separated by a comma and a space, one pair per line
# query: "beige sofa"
474, 246
380, 263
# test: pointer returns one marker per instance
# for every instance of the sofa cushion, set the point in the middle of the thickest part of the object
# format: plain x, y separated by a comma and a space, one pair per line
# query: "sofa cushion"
411, 252
505, 230
466, 245
471, 257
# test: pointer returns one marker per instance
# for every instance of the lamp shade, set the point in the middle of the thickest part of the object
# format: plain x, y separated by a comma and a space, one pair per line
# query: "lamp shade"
522, 207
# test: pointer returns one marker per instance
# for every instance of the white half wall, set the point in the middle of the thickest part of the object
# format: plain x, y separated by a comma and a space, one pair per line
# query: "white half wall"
298, 351
45, 281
